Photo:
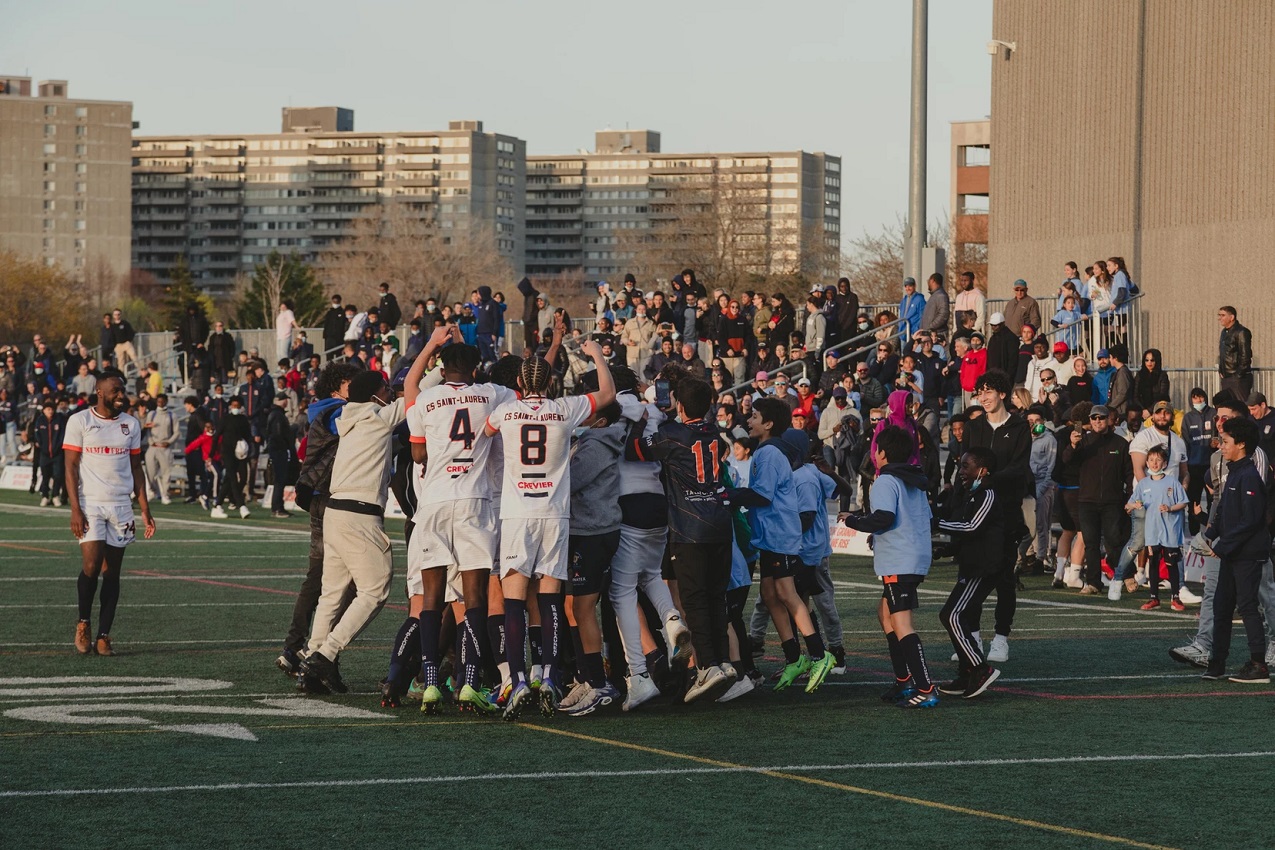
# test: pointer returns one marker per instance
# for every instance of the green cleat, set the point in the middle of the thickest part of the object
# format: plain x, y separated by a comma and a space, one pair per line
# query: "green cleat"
792, 671
431, 699
819, 671
415, 691
475, 701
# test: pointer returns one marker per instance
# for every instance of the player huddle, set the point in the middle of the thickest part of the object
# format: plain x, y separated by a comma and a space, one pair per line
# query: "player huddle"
545, 531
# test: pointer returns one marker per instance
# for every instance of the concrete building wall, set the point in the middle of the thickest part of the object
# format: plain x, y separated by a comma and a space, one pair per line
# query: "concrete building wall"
1145, 129
64, 177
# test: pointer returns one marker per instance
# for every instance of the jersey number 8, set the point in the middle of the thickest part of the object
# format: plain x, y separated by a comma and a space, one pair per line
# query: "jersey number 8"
534, 438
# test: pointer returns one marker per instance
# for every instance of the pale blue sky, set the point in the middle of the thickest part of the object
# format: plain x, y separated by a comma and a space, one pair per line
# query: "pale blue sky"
828, 75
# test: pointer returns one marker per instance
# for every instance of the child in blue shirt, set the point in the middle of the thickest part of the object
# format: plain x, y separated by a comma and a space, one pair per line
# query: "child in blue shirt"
901, 553
774, 513
1068, 319
1165, 502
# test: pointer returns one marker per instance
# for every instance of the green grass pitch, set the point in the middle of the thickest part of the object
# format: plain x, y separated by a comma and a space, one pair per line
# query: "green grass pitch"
1092, 738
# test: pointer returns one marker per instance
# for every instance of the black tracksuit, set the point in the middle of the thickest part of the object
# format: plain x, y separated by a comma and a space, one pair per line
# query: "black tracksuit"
1238, 534
47, 434
1105, 474
976, 520
1011, 443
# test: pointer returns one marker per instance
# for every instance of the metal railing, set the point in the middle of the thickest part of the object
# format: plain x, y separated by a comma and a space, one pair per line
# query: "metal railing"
1207, 378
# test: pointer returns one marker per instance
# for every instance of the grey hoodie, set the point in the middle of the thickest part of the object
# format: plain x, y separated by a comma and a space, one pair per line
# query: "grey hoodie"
595, 480
361, 470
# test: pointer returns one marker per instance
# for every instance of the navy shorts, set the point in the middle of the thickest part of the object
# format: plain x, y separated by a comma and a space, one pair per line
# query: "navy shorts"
589, 561
900, 592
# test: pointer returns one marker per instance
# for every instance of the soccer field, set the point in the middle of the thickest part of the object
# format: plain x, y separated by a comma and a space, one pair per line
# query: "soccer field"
189, 736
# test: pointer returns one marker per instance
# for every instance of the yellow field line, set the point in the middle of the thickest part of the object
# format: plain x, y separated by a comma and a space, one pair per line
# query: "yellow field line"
855, 789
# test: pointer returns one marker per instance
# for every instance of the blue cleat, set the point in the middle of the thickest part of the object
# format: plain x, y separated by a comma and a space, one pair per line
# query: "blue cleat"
519, 695
920, 699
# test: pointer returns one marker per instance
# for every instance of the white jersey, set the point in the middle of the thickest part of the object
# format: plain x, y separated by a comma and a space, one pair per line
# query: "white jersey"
537, 453
105, 447
1173, 444
449, 420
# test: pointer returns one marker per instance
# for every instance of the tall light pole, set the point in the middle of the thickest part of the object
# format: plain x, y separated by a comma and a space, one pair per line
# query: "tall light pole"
915, 241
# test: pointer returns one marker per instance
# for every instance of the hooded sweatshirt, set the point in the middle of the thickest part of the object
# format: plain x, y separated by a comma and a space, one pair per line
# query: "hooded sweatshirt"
899, 417
487, 313
361, 470
595, 480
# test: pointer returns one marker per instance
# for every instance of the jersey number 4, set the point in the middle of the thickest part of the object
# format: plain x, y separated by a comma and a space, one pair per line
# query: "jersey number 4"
533, 438
697, 449
462, 431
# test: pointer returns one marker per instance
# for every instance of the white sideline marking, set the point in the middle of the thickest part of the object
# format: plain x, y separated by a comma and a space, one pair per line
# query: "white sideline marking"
1044, 603
620, 774
269, 642
1003, 680
174, 577
188, 523
69, 605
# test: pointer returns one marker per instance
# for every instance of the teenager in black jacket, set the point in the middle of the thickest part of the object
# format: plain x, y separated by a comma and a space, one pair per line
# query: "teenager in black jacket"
1105, 471
974, 517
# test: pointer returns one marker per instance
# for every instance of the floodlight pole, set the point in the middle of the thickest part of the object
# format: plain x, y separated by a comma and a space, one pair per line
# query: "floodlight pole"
915, 241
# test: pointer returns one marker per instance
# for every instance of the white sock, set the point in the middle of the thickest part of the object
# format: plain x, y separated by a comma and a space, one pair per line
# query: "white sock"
503, 667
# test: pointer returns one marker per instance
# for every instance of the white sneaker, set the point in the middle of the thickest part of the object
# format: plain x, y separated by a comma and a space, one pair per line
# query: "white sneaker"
737, 690
710, 683
999, 650
164, 500
1071, 577
1165, 585
203, 502
978, 641
641, 689
1141, 578
678, 637
218, 513
1113, 590
577, 693
57, 501
1186, 597
44, 501
244, 513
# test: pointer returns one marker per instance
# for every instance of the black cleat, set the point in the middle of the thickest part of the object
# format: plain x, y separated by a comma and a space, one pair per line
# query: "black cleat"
317, 666
1252, 673
900, 690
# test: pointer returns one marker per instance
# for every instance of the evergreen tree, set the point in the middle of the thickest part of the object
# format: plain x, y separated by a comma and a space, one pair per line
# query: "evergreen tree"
278, 279
180, 293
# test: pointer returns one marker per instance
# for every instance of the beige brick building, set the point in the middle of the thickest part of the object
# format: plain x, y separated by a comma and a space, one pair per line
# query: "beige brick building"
1145, 129
65, 191
226, 201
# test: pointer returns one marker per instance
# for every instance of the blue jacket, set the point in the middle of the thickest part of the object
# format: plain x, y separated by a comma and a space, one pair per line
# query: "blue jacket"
1238, 531
486, 313
910, 310
1102, 384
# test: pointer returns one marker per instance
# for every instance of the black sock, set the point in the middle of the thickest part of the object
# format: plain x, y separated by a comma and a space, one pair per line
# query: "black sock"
896, 658
110, 599
792, 651
911, 649
496, 636
405, 654
431, 625
657, 665
86, 589
552, 618
593, 671
577, 649
471, 653
534, 637
814, 645
516, 638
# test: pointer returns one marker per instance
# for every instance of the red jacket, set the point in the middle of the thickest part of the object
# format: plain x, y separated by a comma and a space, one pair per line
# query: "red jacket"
973, 365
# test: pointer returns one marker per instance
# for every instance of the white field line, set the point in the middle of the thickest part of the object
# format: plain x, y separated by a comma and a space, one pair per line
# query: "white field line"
131, 698
262, 641
71, 605
126, 576
1044, 603
1004, 681
164, 521
574, 775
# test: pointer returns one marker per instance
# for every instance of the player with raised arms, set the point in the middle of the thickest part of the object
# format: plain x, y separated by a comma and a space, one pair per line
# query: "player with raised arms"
103, 446
535, 511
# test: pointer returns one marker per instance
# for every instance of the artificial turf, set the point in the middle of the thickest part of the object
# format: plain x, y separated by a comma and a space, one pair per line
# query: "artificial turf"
205, 600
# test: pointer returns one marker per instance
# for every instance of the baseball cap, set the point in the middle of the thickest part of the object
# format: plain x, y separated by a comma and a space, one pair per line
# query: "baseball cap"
1100, 410
909, 281
832, 353
997, 319
281, 396
1061, 348
804, 382
839, 392
1103, 354
815, 288
1254, 398
762, 376
1164, 405
1020, 284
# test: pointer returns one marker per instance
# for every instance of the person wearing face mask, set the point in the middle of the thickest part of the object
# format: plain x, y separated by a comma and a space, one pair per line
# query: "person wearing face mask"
234, 436
1198, 434
973, 365
334, 325
218, 405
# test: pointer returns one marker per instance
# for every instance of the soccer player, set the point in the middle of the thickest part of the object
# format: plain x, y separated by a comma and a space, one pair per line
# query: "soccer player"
355, 546
534, 511
103, 446
975, 522
455, 529
700, 534
900, 529
774, 513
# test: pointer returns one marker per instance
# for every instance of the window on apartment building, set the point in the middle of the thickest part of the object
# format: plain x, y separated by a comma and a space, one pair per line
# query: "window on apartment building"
50, 186
975, 155
48, 224
50, 206
81, 131
81, 168
79, 244
80, 187
79, 206
81, 112
50, 130
79, 224
50, 149
81, 150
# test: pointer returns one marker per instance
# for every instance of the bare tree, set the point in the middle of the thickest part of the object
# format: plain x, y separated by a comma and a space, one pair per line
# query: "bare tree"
874, 262
397, 244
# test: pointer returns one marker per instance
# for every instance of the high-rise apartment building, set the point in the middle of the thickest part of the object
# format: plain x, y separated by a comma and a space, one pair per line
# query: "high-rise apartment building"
971, 195
64, 177
226, 201
628, 206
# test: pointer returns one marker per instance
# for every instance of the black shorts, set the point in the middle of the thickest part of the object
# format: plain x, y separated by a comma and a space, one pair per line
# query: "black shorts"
589, 561
1067, 508
900, 592
807, 580
776, 565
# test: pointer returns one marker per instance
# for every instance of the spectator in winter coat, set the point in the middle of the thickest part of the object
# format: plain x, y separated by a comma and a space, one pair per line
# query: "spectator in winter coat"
938, 309
911, 307
735, 341
1002, 346
1151, 384
1022, 309
487, 324
388, 306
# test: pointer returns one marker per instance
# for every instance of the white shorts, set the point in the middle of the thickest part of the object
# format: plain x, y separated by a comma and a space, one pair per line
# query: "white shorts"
112, 523
460, 534
415, 554
534, 547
